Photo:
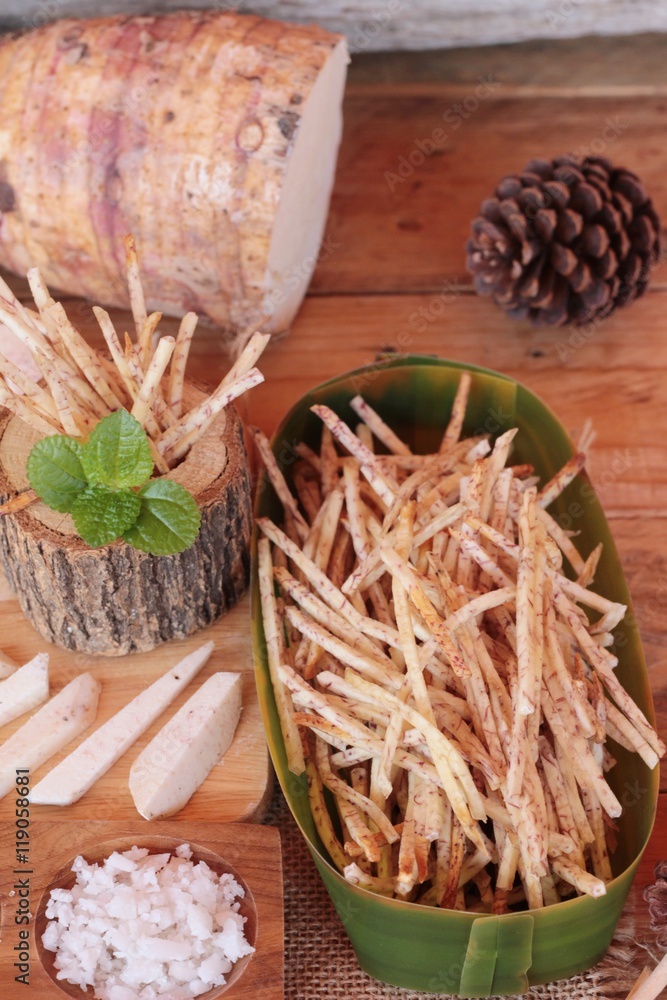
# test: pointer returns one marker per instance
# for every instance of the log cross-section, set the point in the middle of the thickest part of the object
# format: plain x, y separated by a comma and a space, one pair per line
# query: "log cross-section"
116, 599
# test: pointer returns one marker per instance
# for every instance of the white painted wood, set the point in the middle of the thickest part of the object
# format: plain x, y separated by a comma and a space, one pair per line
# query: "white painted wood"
394, 24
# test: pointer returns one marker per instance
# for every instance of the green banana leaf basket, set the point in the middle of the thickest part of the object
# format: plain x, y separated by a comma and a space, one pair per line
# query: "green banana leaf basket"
445, 951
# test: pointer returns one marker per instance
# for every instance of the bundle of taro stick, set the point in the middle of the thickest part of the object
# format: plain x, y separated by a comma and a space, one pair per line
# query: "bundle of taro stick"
77, 385
435, 670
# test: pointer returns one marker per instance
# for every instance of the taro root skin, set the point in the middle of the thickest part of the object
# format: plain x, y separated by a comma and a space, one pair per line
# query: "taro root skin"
212, 137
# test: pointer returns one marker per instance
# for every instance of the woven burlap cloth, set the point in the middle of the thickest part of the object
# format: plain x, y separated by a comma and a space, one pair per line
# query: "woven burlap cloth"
320, 962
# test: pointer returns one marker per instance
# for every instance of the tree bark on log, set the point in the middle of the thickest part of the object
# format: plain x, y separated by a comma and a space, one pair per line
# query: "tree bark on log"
116, 600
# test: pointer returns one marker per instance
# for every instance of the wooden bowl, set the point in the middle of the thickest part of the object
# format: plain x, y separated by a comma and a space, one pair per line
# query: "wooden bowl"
65, 879
249, 852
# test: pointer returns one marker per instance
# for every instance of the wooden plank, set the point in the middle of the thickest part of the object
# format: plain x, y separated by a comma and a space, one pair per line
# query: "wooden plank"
332, 334
237, 789
631, 60
413, 170
422, 24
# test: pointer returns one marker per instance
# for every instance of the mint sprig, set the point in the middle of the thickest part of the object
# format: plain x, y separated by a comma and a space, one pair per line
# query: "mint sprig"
168, 520
105, 485
56, 472
101, 515
117, 453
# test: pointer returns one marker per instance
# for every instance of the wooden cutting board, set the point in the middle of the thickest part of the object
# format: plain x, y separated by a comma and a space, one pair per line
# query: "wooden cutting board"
250, 853
237, 789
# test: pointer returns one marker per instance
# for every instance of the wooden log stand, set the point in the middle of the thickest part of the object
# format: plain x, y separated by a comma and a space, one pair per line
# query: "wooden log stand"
116, 600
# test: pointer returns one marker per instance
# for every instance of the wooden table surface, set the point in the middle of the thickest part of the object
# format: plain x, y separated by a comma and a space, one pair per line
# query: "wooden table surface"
392, 275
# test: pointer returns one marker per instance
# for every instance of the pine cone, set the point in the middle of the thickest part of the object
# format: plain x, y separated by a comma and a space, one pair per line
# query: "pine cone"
565, 241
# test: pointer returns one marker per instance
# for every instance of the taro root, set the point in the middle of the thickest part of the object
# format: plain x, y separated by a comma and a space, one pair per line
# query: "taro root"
211, 136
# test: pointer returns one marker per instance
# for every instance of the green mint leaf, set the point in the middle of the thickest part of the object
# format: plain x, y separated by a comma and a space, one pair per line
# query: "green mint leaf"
117, 453
56, 472
168, 521
102, 515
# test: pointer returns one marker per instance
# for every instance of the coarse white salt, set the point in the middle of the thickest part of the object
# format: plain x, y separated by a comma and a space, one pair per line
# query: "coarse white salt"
142, 926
